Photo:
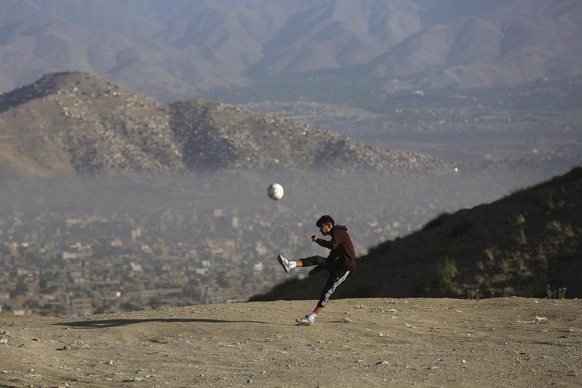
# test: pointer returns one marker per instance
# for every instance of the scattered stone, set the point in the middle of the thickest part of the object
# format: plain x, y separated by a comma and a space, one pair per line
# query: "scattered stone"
535, 320
132, 380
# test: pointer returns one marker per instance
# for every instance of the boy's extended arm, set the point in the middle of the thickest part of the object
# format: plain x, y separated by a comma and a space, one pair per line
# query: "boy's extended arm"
324, 243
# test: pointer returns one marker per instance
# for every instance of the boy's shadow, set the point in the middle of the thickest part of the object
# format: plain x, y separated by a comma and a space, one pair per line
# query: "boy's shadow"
104, 323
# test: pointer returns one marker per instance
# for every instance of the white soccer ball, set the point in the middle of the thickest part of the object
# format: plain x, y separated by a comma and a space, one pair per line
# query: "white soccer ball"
275, 191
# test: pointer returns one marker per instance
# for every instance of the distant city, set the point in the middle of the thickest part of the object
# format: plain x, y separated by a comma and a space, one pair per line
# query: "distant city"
65, 264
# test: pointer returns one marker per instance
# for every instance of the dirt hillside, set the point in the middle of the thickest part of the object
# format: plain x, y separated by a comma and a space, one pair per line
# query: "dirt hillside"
356, 342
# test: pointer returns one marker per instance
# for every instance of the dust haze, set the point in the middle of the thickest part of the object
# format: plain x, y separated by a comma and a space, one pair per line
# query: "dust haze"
194, 206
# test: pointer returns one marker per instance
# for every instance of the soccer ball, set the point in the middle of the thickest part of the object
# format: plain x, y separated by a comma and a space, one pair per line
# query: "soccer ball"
275, 191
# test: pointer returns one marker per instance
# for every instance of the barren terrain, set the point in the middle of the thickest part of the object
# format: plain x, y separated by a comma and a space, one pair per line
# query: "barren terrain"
356, 342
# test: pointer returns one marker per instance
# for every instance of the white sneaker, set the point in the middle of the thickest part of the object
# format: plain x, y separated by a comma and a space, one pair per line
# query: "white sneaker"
305, 321
284, 263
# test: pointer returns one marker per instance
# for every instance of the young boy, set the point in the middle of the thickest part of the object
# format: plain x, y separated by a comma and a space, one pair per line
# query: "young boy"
339, 263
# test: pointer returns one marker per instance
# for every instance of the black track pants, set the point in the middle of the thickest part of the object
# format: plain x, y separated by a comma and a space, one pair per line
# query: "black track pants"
335, 278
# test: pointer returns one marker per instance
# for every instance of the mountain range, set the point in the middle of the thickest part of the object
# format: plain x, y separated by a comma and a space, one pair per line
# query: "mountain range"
68, 124
175, 50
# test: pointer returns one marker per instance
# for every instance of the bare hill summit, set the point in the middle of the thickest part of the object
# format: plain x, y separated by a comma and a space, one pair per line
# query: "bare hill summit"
75, 123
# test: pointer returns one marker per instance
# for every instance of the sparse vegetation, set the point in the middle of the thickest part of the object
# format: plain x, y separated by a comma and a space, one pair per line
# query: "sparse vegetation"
519, 219
541, 258
565, 230
505, 266
445, 271
521, 237
551, 204
521, 263
491, 254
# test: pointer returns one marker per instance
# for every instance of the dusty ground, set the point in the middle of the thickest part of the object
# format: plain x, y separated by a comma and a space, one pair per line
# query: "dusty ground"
356, 342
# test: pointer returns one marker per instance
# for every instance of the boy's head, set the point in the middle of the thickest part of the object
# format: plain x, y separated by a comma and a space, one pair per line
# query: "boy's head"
324, 219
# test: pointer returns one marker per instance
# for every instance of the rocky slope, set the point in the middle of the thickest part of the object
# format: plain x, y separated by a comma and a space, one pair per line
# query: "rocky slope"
76, 123
524, 244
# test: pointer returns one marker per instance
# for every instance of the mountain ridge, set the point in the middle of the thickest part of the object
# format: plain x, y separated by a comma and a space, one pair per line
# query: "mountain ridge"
77, 123
182, 50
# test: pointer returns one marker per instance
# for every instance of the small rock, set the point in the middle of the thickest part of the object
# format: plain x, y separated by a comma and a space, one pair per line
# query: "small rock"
132, 380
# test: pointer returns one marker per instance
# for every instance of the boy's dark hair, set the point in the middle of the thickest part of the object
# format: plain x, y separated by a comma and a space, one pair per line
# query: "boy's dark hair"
324, 219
